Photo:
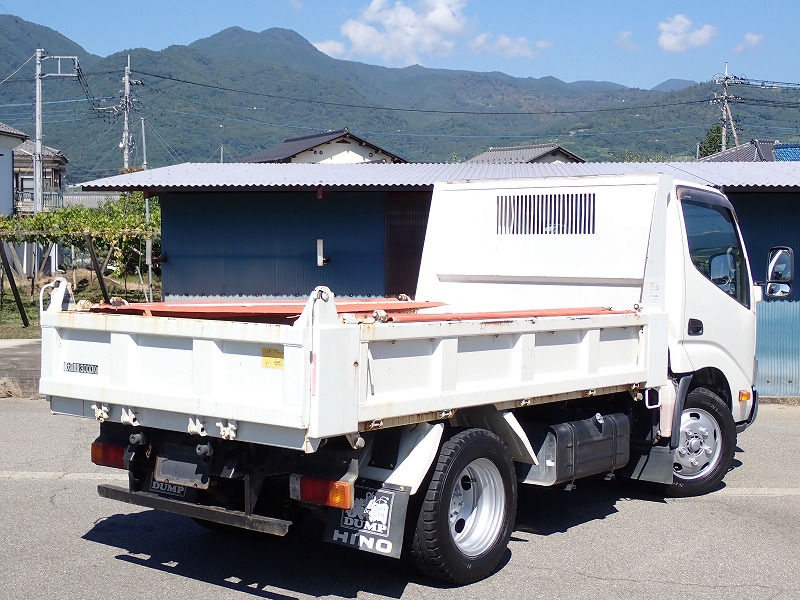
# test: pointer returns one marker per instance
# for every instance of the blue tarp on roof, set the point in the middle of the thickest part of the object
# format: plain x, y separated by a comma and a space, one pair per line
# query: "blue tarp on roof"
787, 151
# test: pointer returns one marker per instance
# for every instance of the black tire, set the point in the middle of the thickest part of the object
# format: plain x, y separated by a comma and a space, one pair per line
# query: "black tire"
473, 485
707, 445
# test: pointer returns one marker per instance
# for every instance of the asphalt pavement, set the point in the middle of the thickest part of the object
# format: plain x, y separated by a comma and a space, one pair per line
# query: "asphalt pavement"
606, 539
20, 361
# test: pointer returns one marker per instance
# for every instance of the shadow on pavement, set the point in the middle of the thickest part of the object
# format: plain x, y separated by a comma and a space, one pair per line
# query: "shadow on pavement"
300, 563
260, 565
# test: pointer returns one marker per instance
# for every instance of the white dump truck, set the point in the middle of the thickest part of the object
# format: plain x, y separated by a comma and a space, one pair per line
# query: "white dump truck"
562, 328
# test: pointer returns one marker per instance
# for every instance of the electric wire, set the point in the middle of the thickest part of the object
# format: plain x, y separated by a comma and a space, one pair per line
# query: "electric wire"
417, 110
18, 69
111, 148
170, 150
44, 103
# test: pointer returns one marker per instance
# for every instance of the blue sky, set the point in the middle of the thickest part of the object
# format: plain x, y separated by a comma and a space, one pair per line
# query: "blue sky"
635, 43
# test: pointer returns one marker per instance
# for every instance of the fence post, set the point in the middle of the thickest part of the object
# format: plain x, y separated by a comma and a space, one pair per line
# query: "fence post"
4, 259
88, 237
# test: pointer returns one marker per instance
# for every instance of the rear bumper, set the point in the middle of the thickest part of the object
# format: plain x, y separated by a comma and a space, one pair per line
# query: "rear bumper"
196, 511
740, 427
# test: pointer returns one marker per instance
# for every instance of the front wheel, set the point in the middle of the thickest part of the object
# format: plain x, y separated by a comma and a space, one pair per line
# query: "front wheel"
706, 447
467, 516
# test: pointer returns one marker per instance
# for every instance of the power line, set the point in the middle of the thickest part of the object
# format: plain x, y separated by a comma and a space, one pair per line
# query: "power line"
170, 150
419, 110
736, 80
18, 69
222, 117
111, 148
55, 102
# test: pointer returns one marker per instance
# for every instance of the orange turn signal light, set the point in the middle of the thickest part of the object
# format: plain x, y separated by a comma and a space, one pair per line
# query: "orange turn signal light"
745, 395
326, 492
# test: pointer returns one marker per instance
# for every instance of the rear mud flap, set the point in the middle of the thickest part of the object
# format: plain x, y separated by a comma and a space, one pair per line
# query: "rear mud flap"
376, 521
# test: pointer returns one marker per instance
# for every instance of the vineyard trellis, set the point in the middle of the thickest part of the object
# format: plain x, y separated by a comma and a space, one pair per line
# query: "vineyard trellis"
117, 231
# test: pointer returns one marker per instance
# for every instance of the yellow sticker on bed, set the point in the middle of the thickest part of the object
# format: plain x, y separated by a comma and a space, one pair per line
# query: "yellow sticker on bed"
271, 358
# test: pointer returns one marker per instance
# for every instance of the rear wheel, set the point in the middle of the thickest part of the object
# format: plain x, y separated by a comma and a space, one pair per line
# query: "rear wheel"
706, 447
468, 512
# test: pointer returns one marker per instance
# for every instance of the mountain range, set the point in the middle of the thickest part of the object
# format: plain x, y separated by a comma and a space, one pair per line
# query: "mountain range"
238, 92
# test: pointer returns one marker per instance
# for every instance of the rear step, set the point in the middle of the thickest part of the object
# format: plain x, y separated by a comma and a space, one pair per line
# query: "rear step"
233, 518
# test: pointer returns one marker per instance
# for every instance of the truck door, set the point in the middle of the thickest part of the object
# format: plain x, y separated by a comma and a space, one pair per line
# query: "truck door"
719, 318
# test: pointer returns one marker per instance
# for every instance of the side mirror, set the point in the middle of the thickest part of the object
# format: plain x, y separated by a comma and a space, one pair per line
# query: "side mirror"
777, 290
723, 272
780, 272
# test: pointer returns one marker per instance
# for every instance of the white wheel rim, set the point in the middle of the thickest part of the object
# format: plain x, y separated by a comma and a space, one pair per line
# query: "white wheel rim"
700, 446
477, 507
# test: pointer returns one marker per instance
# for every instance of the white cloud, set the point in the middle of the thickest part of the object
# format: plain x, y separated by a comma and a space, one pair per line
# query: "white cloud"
401, 32
508, 47
750, 41
625, 42
296, 5
331, 48
503, 45
677, 34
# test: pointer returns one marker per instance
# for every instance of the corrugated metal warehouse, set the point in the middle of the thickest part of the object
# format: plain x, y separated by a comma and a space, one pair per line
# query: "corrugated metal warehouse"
260, 243
253, 230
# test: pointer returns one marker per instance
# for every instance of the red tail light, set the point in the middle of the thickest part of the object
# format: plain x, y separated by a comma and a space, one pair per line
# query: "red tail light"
108, 455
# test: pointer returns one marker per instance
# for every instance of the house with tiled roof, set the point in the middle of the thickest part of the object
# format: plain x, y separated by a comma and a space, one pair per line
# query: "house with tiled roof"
338, 147
10, 138
531, 153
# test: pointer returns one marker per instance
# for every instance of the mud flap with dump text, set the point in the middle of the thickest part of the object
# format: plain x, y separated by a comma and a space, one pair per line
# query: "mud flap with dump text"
376, 521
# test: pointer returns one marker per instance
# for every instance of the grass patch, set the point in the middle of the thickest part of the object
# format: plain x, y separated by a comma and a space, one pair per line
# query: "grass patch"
85, 287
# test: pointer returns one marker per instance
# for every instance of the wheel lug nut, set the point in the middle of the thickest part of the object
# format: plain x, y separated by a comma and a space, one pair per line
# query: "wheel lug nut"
707, 450
682, 451
694, 462
704, 432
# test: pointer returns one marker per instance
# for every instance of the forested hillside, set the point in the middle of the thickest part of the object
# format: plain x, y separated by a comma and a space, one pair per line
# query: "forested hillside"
238, 92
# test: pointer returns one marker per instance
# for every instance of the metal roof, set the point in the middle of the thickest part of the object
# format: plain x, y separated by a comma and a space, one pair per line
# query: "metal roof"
253, 176
9, 131
292, 146
521, 154
753, 151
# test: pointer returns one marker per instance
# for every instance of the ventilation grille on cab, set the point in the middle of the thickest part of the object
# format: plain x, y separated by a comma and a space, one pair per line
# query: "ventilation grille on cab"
546, 214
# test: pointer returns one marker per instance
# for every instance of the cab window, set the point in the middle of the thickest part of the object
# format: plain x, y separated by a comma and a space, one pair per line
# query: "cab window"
714, 244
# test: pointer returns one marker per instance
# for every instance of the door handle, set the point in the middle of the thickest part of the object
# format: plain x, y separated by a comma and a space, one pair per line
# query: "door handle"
695, 327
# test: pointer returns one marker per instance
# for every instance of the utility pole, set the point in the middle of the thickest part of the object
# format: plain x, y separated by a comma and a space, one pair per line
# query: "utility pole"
38, 162
724, 102
144, 148
126, 142
38, 192
763, 84
125, 106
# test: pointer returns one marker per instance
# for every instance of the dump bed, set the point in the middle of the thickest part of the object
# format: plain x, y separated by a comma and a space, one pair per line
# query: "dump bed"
329, 371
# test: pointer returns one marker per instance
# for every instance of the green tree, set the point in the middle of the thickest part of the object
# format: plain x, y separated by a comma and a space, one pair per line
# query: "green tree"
713, 142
